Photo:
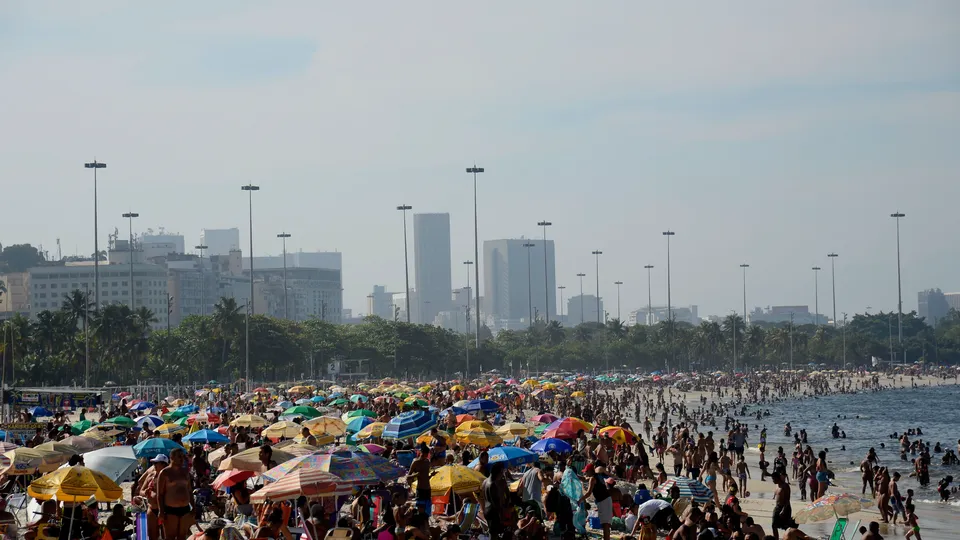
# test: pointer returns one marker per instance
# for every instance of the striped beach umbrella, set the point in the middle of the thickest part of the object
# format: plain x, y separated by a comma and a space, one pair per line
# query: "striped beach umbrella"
408, 424
689, 489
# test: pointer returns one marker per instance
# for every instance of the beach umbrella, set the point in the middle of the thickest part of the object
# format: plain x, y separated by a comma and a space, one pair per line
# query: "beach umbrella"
511, 455
203, 418
326, 425
303, 410
117, 462
359, 412
152, 448
359, 398
303, 401
358, 423
514, 429
830, 507
619, 435
475, 424
205, 436
552, 445
481, 405
79, 427
284, 429
452, 410
567, 428
456, 388
21, 461
578, 394
249, 459
385, 399
249, 420
340, 402
188, 409
57, 451
153, 421
461, 418
302, 483
83, 445
689, 489
461, 479
408, 424
544, 418
173, 415
39, 412
285, 404
300, 389
344, 467
75, 484
479, 436
143, 405
370, 431
230, 478
317, 399
107, 436
169, 430
374, 449
7, 446
427, 438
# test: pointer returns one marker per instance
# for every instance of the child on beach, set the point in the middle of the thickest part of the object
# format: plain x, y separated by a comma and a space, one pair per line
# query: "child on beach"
912, 522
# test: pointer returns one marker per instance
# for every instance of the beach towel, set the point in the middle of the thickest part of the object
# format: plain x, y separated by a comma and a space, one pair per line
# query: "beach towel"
572, 488
140, 526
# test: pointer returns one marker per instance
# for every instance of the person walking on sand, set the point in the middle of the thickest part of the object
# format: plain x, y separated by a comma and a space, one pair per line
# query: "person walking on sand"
823, 476
782, 512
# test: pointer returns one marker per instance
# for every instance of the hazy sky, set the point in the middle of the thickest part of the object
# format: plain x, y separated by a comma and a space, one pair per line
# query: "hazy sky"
763, 132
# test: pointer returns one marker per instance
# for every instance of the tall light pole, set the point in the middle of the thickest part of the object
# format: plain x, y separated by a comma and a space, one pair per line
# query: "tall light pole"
476, 244
897, 215
130, 216
560, 310
673, 352
466, 343
406, 264
744, 268
618, 284
96, 242
249, 188
203, 298
833, 279
649, 267
283, 236
597, 253
734, 341
844, 341
816, 292
529, 245
546, 282
581, 275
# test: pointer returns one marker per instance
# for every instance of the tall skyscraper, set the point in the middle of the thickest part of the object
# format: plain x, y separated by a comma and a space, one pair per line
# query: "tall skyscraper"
932, 305
431, 253
506, 276
220, 241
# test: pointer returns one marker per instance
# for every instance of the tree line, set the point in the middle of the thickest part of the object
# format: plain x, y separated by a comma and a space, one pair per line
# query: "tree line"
123, 348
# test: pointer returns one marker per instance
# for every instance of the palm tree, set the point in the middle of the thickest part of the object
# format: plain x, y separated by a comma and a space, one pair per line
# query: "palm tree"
77, 303
616, 328
227, 321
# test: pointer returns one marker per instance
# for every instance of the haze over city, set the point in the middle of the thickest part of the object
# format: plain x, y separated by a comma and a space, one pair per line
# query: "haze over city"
764, 135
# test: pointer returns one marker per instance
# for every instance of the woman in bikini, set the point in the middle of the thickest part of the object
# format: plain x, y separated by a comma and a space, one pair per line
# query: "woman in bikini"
709, 475
175, 491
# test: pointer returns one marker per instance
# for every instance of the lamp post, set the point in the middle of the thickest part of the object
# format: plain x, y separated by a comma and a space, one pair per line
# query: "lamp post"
598, 253
529, 245
560, 311
249, 188
897, 215
673, 353
203, 298
406, 265
476, 244
618, 284
466, 341
130, 216
833, 279
96, 247
581, 275
283, 236
744, 268
734, 341
649, 267
816, 293
546, 282
844, 341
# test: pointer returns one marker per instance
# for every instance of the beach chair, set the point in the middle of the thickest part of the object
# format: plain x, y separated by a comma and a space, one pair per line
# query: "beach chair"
339, 533
839, 529
468, 517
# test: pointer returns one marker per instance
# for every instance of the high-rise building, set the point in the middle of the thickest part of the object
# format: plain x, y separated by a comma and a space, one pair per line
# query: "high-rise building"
588, 303
310, 292
15, 291
332, 260
431, 255
220, 241
161, 245
652, 315
380, 303
932, 305
953, 300
513, 279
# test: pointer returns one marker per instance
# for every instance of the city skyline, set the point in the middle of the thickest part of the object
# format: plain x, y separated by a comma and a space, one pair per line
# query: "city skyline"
771, 155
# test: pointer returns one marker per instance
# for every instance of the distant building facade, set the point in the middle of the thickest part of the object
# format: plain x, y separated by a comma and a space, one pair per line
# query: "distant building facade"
513, 279
15, 292
583, 308
161, 245
654, 314
380, 303
782, 314
953, 300
220, 241
932, 305
431, 256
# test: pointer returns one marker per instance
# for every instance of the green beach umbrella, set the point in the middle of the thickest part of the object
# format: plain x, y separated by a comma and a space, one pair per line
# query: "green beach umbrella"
309, 412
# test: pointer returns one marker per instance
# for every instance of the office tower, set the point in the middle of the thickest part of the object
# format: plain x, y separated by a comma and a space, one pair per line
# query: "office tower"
431, 252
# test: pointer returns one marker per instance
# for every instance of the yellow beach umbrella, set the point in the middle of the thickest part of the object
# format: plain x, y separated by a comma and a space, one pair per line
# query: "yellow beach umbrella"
322, 440
284, 429
106, 437
484, 438
371, 431
167, 431
75, 484
514, 429
249, 420
578, 394
249, 460
471, 425
460, 478
23, 460
618, 434
457, 388
426, 437
326, 425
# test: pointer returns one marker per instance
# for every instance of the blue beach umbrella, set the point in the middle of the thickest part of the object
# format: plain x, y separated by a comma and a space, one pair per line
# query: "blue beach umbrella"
143, 405
152, 448
188, 409
551, 445
205, 436
317, 399
358, 422
39, 412
481, 405
409, 424
511, 455
153, 421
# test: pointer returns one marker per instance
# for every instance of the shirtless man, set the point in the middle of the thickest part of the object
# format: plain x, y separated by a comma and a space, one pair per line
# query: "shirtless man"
883, 495
420, 471
688, 529
782, 513
147, 488
175, 493
866, 474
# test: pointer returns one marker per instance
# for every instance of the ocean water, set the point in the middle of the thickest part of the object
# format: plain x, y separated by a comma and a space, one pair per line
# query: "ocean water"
869, 419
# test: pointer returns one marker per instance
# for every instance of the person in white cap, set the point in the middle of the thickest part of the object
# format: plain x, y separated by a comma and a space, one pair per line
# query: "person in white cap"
147, 487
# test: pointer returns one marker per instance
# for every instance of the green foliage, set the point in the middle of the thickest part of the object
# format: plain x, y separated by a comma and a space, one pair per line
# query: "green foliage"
19, 257
124, 348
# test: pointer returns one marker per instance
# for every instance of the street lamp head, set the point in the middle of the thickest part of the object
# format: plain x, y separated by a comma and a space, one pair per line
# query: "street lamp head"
404, 207
744, 266
467, 262
597, 252
544, 223
815, 268
131, 215
668, 233
832, 255
95, 165
649, 266
283, 235
250, 187
561, 287
897, 215
581, 275
529, 245
618, 283
474, 169
201, 246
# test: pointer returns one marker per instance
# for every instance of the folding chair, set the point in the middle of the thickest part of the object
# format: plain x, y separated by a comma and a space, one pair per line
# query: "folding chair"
839, 529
